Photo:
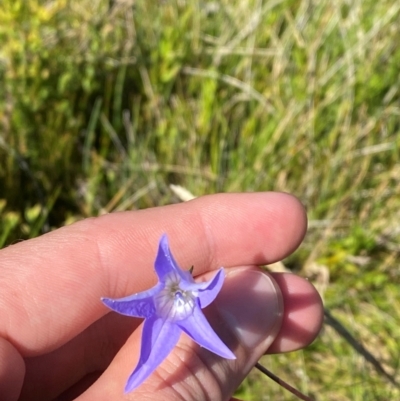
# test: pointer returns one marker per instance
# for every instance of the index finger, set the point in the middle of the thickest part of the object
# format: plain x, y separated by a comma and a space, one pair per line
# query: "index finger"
51, 285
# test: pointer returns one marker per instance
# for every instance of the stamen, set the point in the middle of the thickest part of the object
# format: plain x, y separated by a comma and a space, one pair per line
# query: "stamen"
179, 299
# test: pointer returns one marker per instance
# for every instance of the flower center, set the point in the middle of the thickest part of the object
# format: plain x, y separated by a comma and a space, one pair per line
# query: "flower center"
172, 302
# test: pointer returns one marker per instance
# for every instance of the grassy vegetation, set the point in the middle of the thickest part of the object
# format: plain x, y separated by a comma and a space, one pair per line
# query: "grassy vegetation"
103, 104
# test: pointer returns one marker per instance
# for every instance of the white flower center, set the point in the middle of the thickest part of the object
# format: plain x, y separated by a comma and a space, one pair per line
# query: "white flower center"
172, 302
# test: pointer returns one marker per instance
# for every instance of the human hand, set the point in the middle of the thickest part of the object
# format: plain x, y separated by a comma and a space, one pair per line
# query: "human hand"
58, 342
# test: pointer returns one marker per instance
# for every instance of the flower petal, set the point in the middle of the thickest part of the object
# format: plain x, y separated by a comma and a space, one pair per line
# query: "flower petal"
197, 327
159, 337
139, 305
207, 291
165, 262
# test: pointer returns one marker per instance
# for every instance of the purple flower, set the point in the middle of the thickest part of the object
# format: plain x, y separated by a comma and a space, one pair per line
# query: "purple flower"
173, 305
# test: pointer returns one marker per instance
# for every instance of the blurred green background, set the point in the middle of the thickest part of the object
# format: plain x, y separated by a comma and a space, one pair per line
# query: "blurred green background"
103, 104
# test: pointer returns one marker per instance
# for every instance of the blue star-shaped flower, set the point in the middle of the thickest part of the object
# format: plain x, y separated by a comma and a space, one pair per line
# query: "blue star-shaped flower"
173, 305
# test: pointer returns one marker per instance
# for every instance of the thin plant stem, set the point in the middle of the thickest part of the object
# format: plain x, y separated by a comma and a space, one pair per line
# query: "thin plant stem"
282, 383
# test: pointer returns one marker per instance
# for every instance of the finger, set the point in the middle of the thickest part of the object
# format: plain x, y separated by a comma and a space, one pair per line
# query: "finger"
246, 315
94, 349
91, 351
303, 316
77, 389
12, 370
50, 285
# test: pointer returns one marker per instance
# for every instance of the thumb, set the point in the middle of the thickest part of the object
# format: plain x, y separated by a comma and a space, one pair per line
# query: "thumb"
246, 315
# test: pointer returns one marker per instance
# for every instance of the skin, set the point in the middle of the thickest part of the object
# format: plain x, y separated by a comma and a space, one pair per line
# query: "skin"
57, 340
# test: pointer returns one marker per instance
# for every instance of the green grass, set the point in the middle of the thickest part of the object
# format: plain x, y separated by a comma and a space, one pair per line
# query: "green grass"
101, 108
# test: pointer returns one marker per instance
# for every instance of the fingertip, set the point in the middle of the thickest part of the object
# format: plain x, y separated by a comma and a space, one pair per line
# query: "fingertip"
303, 313
263, 227
294, 214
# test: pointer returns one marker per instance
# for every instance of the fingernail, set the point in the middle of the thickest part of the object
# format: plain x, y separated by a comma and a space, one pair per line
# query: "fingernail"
250, 303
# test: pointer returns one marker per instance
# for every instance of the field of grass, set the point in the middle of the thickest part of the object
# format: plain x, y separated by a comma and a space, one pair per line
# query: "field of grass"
104, 104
